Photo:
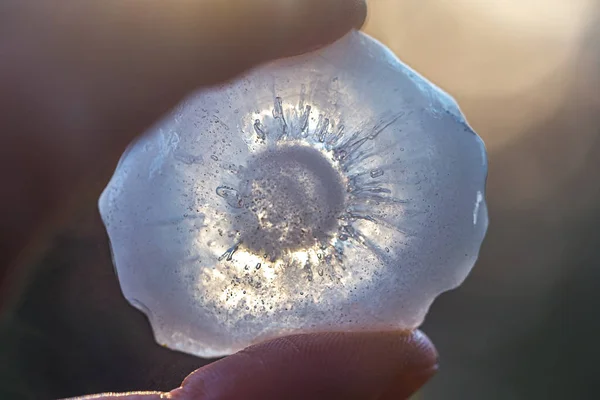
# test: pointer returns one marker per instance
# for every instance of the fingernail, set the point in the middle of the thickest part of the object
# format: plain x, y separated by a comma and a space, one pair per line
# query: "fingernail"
408, 384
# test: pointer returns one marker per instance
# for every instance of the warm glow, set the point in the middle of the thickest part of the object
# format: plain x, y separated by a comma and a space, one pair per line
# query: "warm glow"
500, 59
559, 18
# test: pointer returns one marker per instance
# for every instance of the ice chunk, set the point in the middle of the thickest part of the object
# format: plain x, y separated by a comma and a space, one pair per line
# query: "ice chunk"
338, 190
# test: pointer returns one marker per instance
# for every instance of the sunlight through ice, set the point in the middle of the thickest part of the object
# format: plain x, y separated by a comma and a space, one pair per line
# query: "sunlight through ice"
338, 190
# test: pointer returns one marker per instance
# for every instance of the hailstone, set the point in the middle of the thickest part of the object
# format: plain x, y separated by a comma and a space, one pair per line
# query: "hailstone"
337, 190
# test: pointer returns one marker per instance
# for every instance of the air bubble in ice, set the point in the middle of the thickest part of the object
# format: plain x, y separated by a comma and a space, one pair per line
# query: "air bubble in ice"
341, 175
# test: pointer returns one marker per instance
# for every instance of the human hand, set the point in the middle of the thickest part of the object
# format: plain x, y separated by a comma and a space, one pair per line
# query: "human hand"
80, 78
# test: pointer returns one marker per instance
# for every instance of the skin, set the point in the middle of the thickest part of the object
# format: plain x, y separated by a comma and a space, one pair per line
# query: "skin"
79, 79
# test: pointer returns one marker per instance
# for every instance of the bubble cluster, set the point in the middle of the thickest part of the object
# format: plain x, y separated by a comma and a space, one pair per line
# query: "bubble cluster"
338, 190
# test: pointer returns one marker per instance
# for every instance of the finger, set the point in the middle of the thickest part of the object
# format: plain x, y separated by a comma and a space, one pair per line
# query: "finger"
80, 79
329, 366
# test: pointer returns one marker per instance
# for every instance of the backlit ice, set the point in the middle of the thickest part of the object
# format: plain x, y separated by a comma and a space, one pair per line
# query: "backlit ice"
337, 190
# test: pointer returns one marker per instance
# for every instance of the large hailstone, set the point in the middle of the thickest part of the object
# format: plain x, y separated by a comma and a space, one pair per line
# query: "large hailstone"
338, 190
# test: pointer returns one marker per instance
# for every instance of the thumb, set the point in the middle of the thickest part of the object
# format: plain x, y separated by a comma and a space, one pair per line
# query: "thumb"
114, 66
81, 78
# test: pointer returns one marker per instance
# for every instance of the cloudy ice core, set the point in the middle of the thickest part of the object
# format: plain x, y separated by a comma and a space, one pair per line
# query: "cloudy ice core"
338, 190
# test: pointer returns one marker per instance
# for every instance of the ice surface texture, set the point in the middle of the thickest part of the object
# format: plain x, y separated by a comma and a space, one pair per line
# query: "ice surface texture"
338, 190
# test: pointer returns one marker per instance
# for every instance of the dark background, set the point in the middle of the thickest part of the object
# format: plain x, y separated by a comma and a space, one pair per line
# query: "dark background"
525, 323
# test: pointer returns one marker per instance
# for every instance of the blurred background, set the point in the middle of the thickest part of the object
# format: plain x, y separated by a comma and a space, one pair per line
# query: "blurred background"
525, 323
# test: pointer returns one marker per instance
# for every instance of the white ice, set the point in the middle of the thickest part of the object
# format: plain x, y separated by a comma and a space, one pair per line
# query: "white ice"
338, 190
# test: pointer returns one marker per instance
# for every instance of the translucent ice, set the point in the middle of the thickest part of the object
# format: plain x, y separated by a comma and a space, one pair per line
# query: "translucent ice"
338, 190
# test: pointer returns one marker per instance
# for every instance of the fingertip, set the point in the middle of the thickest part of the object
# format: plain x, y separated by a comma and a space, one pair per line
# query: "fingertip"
424, 348
319, 366
423, 358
